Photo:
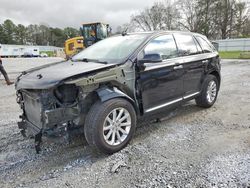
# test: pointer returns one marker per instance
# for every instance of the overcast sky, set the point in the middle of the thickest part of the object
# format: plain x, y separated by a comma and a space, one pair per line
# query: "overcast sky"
63, 13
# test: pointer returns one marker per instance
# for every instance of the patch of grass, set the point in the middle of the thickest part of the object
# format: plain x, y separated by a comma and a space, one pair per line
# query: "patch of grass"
235, 54
49, 53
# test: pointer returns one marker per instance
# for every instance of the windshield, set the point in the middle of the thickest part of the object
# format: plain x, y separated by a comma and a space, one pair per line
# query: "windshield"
111, 50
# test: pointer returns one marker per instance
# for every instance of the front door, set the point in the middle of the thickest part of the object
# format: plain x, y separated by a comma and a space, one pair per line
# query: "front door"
161, 84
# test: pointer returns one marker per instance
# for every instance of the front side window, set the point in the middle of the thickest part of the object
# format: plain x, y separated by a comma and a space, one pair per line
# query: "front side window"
186, 44
163, 45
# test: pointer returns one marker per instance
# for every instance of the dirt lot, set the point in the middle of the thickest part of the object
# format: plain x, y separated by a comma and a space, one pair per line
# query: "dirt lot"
190, 147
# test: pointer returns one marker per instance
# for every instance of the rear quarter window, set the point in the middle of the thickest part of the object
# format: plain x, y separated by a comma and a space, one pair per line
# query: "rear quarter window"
205, 45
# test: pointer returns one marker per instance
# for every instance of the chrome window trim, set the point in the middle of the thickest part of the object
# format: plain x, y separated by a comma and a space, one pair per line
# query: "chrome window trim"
179, 60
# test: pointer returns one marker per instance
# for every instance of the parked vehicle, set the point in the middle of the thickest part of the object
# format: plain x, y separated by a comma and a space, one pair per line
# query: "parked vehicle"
27, 54
108, 86
31, 52
73, 46
43, 55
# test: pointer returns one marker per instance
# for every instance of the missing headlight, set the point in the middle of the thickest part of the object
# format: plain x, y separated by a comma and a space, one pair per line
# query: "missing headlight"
67, 94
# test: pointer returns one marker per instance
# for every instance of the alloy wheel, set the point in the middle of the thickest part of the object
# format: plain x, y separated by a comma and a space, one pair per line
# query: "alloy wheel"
211, 91
116, 127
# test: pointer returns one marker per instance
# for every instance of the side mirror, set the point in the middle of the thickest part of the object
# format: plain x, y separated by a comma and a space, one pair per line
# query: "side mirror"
151, 58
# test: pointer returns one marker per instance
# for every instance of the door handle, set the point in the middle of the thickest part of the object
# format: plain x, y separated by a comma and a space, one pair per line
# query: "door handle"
205, 61
178, 67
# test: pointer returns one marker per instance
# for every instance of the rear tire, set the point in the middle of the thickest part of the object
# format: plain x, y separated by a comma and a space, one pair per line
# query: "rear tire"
209, 92
110, 125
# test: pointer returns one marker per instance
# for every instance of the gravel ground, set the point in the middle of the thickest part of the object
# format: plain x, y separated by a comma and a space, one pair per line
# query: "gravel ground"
190, 147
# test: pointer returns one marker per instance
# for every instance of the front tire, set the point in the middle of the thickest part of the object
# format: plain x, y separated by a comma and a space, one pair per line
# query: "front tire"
110, 125
209, 92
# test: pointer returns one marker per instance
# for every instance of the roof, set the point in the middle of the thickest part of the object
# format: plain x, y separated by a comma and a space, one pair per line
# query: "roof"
152, 33
89, 23
166, 31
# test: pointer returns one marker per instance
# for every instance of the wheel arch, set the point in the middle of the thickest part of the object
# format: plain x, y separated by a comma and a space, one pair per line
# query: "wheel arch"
217, 75
105, 93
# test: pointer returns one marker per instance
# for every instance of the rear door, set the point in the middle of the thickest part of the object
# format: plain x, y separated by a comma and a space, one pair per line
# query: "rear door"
193, 65
161, 84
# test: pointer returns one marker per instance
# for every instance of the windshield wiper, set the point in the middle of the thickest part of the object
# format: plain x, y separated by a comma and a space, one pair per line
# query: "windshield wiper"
102, 62
90, 60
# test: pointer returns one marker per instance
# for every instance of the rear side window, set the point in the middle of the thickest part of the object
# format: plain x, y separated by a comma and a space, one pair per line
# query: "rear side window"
186, 44
206, 47
163, 45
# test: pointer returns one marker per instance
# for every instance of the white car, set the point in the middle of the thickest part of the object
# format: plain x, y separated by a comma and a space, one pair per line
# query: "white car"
43, 55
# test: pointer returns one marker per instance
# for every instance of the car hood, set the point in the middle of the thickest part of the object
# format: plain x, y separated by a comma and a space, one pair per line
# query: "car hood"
51, 75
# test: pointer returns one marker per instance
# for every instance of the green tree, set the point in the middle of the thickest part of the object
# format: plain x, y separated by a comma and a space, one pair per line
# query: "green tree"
20, 34
9, 29
3, 36
35, 34
71, 32
57, 37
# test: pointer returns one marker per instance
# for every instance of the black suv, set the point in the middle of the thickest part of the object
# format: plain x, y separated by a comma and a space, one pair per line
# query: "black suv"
104, 89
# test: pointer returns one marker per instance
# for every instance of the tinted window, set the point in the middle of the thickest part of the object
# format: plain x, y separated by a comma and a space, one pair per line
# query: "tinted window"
163, 45
186, 44
205, 45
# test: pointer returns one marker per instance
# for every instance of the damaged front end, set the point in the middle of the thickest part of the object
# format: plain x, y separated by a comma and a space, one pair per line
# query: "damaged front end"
48, 111
56, 99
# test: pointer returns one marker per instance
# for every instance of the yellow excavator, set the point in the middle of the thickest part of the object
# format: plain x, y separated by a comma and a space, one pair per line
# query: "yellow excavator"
91, 33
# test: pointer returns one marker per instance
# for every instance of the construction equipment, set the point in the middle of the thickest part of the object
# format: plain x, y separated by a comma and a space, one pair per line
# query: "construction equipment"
91, 33
73, 45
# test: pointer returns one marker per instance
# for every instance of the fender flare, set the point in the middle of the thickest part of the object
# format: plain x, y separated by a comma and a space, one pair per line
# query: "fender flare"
106, 93
216, 73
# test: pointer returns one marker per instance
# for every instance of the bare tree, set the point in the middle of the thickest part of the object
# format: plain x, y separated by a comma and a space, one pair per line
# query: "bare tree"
213, 18
161, 16
197, 16
242, 19
229, 18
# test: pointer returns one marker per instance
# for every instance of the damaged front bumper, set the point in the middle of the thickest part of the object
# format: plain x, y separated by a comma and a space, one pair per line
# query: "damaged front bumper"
44, 114
55, 122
